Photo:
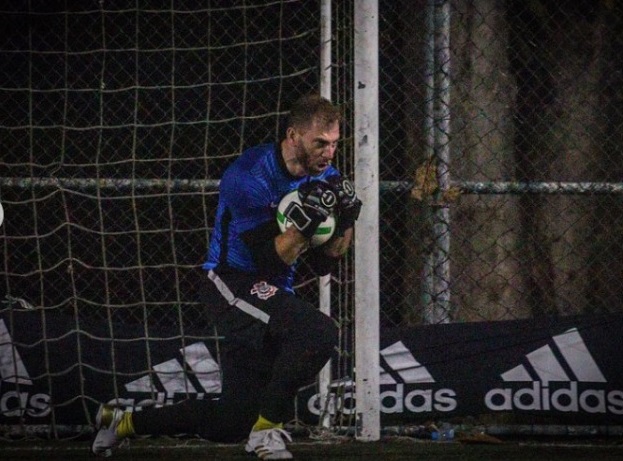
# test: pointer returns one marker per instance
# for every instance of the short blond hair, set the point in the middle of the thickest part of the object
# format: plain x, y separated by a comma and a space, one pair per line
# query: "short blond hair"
313, 107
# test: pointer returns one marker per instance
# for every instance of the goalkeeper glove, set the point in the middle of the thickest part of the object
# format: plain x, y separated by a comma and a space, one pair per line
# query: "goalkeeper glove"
349, 206
318, 200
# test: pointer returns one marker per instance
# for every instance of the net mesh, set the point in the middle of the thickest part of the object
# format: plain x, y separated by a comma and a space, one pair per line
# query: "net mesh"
131, 113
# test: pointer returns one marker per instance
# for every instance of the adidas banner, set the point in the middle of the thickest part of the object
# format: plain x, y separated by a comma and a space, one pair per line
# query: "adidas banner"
565, 370
45, 364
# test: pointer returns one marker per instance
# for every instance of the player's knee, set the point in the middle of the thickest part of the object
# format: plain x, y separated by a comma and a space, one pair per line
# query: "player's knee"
327, 333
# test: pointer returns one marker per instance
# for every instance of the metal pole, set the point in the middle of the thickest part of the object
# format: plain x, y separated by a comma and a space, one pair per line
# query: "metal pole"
441, 217
367, 301
428, 283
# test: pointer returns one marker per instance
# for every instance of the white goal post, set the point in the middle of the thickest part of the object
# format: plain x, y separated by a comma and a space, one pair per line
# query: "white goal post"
366, 134
367, 286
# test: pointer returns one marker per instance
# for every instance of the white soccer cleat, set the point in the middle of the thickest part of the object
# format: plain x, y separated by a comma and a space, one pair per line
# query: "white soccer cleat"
269, 444
106, 423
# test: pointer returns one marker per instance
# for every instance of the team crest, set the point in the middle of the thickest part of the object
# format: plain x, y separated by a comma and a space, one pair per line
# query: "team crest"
263, 290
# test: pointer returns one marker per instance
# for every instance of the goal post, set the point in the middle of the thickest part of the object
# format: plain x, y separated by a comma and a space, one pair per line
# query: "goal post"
367, 301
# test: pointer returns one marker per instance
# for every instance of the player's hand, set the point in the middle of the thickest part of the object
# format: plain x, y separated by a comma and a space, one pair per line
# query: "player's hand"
349, 205
318, 197
318, 200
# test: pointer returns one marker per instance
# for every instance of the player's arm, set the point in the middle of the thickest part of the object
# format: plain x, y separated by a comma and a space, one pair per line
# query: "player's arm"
324, 259
274, 251
290, 245
339, 245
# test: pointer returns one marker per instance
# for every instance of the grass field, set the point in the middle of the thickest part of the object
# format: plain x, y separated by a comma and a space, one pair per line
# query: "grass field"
390, 449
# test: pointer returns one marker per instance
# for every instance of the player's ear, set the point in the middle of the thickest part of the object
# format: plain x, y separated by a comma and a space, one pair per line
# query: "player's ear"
291, 134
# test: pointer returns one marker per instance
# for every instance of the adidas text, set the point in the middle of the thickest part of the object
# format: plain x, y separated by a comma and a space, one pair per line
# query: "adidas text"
14, 403
393, 400
560, 398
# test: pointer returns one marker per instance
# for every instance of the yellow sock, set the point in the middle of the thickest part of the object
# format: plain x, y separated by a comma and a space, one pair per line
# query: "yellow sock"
263, 424
126, 426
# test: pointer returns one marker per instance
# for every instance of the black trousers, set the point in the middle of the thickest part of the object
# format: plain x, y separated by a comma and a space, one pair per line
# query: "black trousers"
274, 343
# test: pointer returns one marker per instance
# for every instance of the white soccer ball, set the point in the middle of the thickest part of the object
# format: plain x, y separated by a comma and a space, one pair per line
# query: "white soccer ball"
323, 233
1, 214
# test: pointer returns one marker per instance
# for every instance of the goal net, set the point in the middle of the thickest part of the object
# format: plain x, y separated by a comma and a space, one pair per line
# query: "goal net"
119, 120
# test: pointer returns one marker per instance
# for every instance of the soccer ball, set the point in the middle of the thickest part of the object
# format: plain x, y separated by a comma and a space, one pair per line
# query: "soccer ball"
1, 214
323, 233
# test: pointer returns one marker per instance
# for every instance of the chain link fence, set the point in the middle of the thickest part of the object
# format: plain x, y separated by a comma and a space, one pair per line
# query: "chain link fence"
532, 141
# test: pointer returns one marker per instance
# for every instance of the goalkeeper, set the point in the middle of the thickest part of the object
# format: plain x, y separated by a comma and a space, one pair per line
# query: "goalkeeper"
274, 342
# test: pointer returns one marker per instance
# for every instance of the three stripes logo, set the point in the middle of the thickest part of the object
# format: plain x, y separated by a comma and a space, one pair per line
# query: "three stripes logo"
12, 369
195, 372
544, 365
562, 376
19, 401
402, 366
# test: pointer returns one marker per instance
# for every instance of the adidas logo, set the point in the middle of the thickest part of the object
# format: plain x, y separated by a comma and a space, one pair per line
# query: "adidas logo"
12, 369
556, 371
18, 402
546, 367
400, 360
398, 368
173, 378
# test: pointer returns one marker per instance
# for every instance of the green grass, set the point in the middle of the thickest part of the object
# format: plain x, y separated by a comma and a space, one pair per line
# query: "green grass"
390, 449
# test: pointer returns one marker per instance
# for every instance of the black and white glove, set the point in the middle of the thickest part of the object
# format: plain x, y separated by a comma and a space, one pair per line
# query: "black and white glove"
348, 207
318, 200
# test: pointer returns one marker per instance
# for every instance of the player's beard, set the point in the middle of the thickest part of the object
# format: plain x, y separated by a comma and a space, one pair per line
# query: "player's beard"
312, 162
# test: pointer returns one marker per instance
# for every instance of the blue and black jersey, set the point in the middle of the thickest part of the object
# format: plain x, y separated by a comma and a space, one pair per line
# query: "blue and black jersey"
250, 190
